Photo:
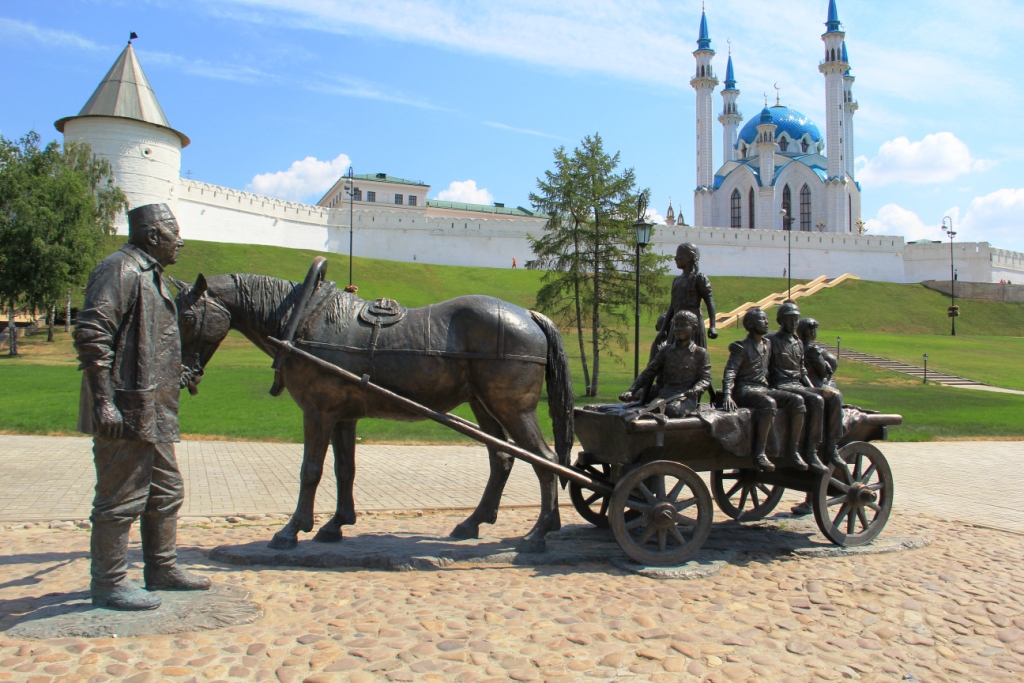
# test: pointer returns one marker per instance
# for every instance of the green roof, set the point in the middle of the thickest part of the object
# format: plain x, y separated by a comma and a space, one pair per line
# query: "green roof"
385, 178
485, 208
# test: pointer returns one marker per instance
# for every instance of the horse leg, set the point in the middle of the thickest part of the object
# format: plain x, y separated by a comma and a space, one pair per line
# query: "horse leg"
344, 441
501, 466
524, 429
316, 429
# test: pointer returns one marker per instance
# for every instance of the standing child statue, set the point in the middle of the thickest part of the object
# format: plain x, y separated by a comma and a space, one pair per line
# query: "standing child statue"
683, 368
689, 290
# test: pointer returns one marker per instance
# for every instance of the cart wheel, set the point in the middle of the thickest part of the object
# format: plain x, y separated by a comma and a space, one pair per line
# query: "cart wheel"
746, 499
673, 508
592, 505
852, 503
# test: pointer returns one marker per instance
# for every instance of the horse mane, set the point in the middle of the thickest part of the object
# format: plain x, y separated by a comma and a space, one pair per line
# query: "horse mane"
267, 302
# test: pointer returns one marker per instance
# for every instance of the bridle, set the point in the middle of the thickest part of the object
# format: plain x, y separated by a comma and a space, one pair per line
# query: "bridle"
192, 372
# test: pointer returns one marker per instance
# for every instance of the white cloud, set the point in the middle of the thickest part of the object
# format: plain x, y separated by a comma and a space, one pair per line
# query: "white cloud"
893, 219
525, 131
938, 158
304, 180
465, 191
12, 29
655, 217
997, 218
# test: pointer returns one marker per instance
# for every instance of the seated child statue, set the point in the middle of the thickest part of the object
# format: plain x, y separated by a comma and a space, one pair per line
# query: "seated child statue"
683, 368
820, 364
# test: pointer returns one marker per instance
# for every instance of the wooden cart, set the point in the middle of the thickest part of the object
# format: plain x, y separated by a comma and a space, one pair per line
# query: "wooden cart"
660, 509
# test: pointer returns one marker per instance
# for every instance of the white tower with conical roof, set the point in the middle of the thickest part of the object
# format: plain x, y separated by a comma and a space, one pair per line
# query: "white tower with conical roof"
704, 82
765, 143
124, 124
849, 107
839, 205
730, 117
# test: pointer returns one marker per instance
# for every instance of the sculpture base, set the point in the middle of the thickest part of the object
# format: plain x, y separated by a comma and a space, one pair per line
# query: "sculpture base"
71, 615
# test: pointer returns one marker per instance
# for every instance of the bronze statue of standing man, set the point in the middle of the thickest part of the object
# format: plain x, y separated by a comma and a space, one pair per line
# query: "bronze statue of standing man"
129, 350
689, 290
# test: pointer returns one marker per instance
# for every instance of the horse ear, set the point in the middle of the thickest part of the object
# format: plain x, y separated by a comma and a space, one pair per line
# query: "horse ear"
180, 284
199, 288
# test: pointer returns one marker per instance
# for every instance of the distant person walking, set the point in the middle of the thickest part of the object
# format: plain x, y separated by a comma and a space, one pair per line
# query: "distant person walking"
513, 262
783, 272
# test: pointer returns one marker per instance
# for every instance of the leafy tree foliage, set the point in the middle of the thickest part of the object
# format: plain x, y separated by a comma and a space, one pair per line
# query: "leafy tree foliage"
56, 206
588, 251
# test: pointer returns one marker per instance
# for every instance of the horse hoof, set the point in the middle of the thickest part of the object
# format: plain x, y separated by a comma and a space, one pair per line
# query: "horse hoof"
465, 531
279, 542
531, 545
325, 536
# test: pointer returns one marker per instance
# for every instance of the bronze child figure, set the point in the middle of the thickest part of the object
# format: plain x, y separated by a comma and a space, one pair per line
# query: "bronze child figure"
130, 352
819, 363
683, 368
745, 384
786, 372
689, 290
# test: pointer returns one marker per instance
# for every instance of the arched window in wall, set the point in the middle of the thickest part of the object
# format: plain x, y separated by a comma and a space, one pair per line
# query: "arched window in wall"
804, 146
783, 144
787, 205
805, 209
750, 208
849, 213
735, 210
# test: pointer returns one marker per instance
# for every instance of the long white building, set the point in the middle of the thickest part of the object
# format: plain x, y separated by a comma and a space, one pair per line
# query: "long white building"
392, 218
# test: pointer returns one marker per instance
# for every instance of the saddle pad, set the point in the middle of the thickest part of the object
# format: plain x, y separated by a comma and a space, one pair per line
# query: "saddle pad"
384, 312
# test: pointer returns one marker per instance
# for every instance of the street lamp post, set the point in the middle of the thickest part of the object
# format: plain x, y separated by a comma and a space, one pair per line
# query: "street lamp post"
839, 352
953, 310
787, 226
925, 369
350, 190
642, 229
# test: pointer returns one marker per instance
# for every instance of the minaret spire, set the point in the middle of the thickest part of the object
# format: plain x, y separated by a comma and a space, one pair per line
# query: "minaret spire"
704, 82
730, 117
837, 134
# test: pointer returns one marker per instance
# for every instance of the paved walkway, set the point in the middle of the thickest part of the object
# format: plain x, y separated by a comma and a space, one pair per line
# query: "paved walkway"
50, 478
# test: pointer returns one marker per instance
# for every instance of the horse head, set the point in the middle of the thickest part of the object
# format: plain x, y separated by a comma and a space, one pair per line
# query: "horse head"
203, 323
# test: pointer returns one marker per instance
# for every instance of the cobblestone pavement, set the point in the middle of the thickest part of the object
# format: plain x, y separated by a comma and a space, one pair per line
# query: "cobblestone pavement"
952, 611
51, 478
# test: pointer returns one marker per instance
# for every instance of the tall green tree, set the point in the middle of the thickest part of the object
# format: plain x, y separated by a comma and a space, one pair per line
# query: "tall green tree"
587, 250
56, 207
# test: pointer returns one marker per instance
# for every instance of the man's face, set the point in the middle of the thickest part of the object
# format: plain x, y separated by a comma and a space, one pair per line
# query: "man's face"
165, 242
759, 324
787, 323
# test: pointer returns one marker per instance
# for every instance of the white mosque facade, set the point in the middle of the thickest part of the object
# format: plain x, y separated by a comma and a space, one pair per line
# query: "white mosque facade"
778, 160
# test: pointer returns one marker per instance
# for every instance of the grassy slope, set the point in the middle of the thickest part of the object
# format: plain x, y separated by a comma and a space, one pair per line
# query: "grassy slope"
41, 388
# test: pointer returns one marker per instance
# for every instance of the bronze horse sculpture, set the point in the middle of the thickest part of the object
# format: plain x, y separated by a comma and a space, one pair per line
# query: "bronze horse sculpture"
477, 349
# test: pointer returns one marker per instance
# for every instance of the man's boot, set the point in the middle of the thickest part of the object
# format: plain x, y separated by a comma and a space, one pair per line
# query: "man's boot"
160, 552
110, 586
832, 454
764, 425
796, 430
813, 462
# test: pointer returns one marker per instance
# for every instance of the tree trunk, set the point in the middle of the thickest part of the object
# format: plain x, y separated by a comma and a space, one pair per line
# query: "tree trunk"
579, 315
12, 330
50, 316
595, 321
67, 313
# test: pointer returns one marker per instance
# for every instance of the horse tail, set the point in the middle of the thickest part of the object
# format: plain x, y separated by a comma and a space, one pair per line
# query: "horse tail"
559, 384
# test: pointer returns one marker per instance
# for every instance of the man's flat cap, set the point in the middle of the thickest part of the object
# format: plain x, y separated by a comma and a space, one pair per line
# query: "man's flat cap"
148, 215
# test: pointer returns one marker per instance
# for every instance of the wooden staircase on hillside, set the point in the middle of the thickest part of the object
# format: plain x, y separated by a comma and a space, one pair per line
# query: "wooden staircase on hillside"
723, 320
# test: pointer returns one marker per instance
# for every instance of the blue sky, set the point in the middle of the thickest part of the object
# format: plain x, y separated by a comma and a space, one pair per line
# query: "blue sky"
279, 96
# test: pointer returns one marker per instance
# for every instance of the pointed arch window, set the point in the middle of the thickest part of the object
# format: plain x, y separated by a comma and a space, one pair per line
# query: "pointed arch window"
787, 204
805, 209
735, 209
750, 208
783, 144
804, 146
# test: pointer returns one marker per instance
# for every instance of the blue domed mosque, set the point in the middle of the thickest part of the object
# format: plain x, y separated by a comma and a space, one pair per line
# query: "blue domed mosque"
779, 161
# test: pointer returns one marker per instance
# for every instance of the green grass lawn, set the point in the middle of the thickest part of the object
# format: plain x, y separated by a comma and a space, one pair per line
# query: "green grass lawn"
898, 321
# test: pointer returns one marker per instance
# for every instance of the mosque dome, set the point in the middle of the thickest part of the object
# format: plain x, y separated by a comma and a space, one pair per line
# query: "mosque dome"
789, 121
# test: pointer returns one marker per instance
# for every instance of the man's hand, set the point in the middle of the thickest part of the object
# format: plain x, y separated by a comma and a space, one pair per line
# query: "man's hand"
728, 404
712, 332
108, 420
626, 397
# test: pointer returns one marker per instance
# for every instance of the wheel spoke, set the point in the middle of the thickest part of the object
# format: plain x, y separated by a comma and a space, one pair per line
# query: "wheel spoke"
685, 521
851, 521
839, 485
858, 467
647, 493
878, 486
662, 538
678, 536
734, 489
743, 499
681, 505
592, 498
835, 501
646, 535
674, 493
863, 518
753, 497
867, 474
764, 489
604, 505
843, 512
634, 523
638, 505
661, 487
873, 506
735, 474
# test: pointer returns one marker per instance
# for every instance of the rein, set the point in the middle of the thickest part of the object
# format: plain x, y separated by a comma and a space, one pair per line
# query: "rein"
313, 279
191, 374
